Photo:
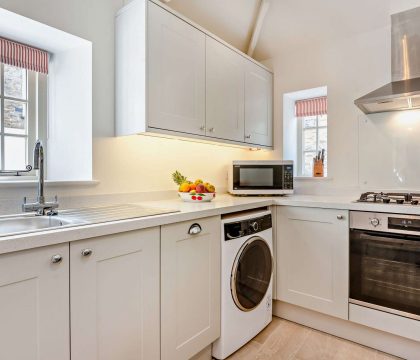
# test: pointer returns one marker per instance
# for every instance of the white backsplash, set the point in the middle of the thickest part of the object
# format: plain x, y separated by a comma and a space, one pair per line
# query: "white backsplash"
389, 151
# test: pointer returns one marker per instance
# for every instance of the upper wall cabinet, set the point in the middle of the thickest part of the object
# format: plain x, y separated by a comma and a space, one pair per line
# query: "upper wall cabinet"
173, 77
258, 105
225, 92
176, 84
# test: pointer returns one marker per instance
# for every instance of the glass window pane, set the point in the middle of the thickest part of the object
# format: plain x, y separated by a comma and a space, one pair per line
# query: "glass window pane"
308, 159
322, 139
309, 121
15, 83
322, 120
15, 117
15, 153
309, 140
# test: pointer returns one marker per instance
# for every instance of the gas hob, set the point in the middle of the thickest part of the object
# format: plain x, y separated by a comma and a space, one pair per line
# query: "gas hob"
390, 198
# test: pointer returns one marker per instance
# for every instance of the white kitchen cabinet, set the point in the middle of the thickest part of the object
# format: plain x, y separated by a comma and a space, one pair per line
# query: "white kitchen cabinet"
115, 297
190, 288
175, 78
313, 259
225, 92
34, 304
176, 83
258, 105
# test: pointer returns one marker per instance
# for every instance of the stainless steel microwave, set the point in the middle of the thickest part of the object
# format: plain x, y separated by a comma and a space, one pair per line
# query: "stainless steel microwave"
261, 177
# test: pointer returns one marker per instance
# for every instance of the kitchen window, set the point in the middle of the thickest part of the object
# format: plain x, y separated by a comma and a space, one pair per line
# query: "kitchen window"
23, 104
312, 134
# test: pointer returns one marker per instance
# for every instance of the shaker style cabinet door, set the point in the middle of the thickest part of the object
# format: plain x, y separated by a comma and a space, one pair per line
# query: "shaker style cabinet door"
190, 287
225, 92
313, 259
34, 304
258, 105
115, 297
176, 69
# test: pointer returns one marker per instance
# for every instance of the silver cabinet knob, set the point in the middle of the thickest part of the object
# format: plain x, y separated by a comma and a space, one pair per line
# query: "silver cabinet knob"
194, 229
340, 217
56, 259
374, 222
87, 252
202, 128
247, 136
211, 129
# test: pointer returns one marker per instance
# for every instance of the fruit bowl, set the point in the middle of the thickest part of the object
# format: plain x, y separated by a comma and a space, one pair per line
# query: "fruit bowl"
196, 198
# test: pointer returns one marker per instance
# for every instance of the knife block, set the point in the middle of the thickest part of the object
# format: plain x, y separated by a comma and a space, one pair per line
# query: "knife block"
318, 170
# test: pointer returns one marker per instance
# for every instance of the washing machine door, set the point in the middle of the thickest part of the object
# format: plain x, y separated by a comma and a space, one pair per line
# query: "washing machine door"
251, 274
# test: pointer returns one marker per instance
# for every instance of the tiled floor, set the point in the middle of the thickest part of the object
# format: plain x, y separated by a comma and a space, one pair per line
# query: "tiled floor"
283, 339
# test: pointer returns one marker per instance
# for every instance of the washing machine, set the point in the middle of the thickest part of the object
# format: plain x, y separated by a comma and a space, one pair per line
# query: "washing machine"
247, 271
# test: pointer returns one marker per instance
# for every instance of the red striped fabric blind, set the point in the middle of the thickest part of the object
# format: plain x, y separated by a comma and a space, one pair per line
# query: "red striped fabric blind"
311, 107
23, 56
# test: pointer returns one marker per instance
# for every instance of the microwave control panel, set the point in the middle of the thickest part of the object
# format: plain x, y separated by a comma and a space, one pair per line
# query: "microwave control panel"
288, 177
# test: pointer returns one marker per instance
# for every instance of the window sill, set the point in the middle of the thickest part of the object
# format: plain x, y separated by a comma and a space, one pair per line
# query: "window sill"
48, 183
312, 178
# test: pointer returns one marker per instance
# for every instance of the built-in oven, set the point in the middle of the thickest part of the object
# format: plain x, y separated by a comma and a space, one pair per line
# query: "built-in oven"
385, 262
261, 177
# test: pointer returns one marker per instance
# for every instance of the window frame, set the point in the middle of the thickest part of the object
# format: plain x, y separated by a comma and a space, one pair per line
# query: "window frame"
300, 141
36, 108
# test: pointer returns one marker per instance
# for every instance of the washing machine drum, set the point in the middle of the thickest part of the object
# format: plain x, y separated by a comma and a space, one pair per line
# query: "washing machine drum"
251, 274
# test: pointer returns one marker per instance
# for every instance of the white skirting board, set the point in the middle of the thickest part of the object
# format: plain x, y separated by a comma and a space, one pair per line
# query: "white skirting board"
383, 341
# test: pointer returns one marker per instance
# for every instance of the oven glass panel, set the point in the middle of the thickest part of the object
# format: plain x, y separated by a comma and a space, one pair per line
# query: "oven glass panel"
256, 177
385, 270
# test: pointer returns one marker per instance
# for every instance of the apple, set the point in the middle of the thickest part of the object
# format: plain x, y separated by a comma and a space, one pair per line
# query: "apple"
200, 188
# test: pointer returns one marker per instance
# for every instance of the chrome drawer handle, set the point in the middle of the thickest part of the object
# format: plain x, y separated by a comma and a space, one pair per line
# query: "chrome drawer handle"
87, 252
56, 259
248, 137
340, 217
194, 229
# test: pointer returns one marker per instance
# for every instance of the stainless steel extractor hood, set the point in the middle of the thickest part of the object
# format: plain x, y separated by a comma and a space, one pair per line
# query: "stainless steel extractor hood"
403, 93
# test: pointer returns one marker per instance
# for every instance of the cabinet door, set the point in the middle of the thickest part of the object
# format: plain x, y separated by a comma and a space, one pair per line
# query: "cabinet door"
313, 259
34, 304
190, 285
225, 92
258, 106
115, 297
176, 71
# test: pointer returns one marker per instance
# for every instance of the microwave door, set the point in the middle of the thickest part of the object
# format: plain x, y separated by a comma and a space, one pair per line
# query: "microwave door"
257, 177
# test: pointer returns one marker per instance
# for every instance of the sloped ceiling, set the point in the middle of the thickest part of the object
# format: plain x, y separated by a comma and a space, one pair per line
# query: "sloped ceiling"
231, 20
290, 23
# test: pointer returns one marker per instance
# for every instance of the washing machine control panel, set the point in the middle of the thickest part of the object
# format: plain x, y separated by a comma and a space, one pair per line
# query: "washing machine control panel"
243, 228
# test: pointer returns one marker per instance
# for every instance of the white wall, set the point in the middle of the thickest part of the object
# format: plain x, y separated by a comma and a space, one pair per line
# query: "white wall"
129, 164
350, 68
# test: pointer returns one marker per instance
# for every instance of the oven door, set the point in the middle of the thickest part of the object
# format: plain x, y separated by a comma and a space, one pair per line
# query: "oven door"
257, 177
385, 272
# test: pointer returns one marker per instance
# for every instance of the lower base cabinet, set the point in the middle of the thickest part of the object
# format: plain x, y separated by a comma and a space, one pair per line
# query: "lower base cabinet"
34, 304
141, 295
114, 299
313, 259
190, 287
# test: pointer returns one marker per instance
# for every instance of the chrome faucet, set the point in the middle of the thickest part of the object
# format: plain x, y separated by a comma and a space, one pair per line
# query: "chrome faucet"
40, 206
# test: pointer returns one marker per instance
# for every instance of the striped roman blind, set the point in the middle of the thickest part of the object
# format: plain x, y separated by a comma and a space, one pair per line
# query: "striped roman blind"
311, 107
23, 56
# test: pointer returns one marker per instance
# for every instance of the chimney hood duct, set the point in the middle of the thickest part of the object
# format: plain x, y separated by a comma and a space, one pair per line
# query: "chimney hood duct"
403, 93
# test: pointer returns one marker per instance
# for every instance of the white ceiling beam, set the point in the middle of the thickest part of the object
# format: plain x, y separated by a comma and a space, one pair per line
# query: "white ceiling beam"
262, 12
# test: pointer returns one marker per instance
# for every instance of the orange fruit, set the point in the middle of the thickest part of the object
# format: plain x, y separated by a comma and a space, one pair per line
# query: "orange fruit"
185, 187
193, 186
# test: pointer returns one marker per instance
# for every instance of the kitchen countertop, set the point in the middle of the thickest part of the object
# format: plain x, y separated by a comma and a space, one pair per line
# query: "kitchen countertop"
223, 204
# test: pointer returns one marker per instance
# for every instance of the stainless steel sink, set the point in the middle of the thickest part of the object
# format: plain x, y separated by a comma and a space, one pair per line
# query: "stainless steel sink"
18, 224
23, 224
